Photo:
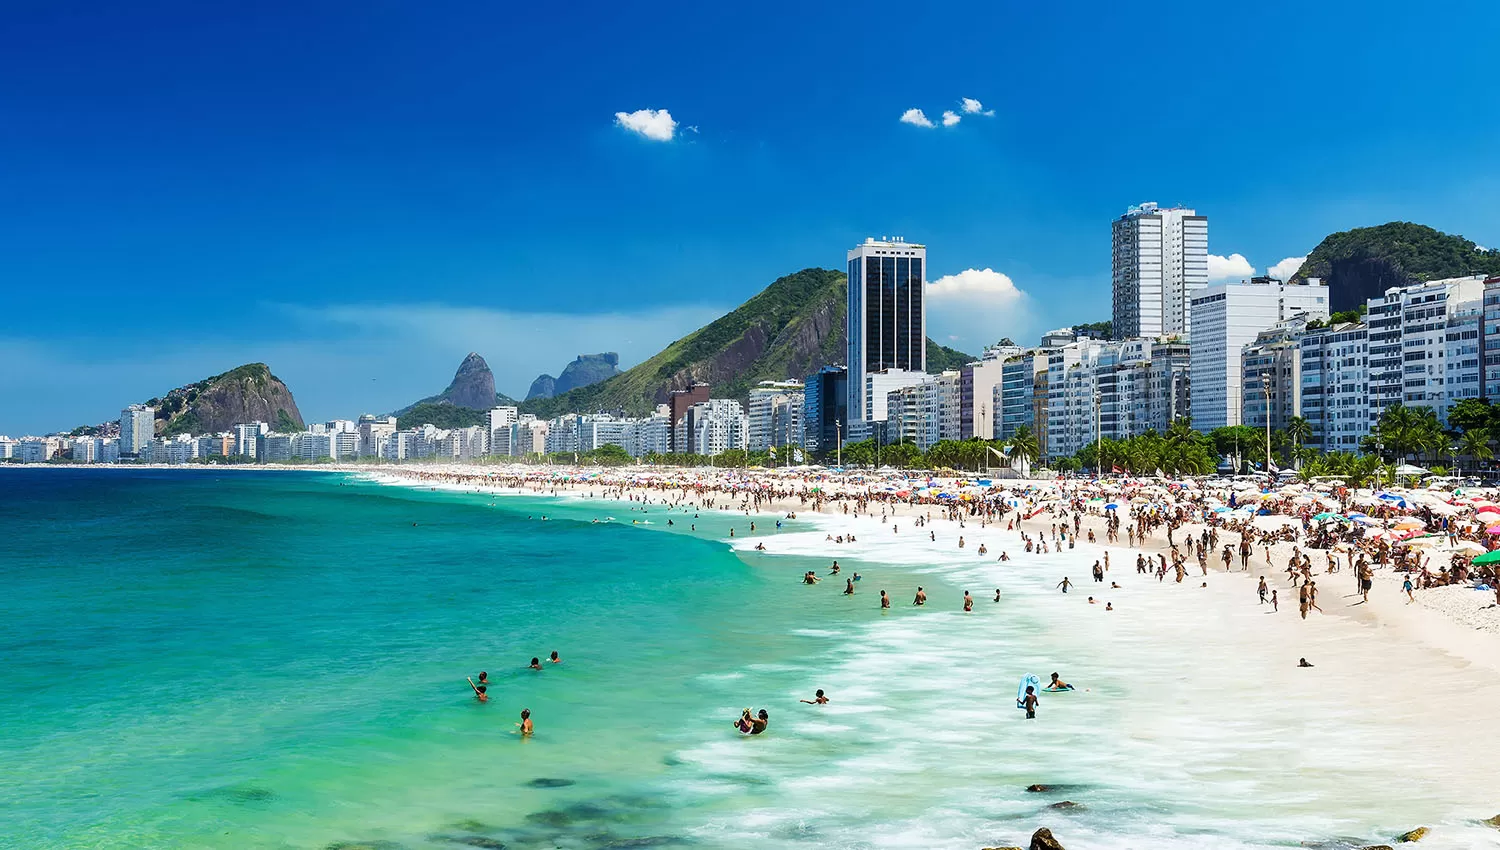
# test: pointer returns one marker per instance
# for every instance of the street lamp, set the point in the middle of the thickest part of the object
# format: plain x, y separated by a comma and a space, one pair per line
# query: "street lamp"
838, 443
1265, 385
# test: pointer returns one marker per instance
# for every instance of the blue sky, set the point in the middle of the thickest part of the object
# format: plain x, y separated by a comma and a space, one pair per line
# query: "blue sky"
360, 194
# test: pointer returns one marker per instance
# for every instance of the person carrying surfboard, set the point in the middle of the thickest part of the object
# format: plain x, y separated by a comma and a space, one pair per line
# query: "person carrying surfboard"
1029, 702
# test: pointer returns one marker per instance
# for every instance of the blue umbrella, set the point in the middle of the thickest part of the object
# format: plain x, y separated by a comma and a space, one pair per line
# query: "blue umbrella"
1111, 506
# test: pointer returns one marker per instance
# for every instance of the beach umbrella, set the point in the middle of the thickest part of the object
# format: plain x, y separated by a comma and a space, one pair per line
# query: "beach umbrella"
1408, 523
1111, 507
1494, 529
1469, 547
1488, 558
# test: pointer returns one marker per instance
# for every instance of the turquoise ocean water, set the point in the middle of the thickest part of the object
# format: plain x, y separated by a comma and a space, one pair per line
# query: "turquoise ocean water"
277, 660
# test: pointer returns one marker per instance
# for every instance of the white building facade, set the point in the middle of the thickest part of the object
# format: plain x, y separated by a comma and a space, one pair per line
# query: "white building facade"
1159, 261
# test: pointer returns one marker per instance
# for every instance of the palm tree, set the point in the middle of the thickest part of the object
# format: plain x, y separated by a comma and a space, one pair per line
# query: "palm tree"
1299, 430
1023, 445
1475, 443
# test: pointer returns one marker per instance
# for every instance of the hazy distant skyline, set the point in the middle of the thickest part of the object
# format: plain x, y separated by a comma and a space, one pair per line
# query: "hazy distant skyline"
360, 196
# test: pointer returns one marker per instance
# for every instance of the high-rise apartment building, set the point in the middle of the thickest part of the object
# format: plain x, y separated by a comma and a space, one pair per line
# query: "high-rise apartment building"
886, 323
1160, 260
775, 413
977, 415
137, 427
1226, 317
1335, 378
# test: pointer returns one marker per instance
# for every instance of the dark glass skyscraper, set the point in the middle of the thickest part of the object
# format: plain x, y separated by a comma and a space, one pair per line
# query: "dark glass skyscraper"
887, 322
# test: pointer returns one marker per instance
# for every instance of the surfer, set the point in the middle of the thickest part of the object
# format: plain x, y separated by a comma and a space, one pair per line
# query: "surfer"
818, 699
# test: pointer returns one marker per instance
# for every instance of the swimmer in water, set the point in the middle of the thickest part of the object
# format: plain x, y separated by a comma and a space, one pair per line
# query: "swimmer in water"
885, 601
484, 678
480, 691
745, 722
536, 664
1029, 702
921, 597
555, 658
525, 724
759, 723
1109, 606
818, 699
810, 577
968, 602
849, 587
1302, 662
997, 594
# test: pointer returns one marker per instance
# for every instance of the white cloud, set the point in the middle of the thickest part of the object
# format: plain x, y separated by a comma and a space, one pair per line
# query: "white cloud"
1232, 267
916, 117
974, 107
654, 124
1286, 268
976, 307
950, 118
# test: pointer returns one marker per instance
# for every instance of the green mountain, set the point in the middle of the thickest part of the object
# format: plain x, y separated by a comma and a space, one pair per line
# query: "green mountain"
249, 393
1364, 262
789, 330
443, 414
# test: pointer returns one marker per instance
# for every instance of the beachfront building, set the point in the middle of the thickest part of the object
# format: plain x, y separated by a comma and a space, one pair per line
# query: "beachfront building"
714, 426
137, 427
886, 320
825, 408
276, 448
247, 438
37, 449
9, 448
878, 387
1410, 354
924, 412
1271, 375
497, 420
653, 435
978, 416
216, 445
562, 434
1489, 339
775, 413
312, 445
1160, 262
374, 432
678, 402
1021, 396
85, 449
1115, 389
1226, 317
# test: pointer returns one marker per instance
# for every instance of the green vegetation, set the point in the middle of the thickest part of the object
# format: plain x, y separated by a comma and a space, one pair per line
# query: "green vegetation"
445, 416
795, 324
1096, 330
1419, 251
941, 358
284, 422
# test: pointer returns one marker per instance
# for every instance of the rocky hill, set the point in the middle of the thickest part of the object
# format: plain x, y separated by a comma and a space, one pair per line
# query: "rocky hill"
790, 329
472, 387
1362, 263
249, 393
584, 370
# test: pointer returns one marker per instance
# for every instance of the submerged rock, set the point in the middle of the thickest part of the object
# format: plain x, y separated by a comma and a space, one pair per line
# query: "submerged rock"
1494, 821
1004, 847
1042, 840
472, 841
1038, 789
1415, 835
1067, 805
471, 825
236, 794
648, 841
545, 782
550, 817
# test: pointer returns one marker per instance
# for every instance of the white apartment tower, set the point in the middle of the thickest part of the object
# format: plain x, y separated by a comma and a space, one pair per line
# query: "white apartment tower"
137, 428
887, 320
1226, 317
1160, 259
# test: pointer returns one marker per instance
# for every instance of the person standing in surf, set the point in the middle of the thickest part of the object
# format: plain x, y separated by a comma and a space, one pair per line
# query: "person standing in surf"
1029, 702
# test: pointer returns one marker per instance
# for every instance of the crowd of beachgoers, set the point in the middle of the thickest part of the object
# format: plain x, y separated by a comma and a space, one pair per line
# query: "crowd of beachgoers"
1437, 546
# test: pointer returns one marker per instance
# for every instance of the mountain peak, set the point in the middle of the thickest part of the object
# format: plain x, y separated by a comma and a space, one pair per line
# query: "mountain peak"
473, 385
